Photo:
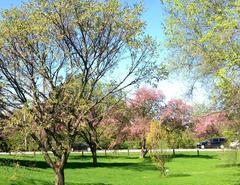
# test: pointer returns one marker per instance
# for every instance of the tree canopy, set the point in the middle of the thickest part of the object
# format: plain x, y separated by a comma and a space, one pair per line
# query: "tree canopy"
54, 54
204, 37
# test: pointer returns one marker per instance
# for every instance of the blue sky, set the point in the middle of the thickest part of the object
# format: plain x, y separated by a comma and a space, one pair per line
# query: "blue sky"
9, 3
154, 17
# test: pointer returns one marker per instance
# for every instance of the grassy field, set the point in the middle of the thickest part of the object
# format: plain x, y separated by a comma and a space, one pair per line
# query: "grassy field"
120, 169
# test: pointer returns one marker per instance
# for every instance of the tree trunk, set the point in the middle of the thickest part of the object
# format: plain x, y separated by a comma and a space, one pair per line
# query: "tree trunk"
174, 152
144, 150
59, 176
58, 167
94, 153
25, 143
143, 153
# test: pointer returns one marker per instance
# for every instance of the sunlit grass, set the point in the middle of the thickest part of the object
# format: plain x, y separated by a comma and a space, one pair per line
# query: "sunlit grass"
210, 168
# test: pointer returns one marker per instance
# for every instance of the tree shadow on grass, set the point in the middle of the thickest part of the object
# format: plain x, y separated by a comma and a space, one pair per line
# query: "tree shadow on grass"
88, 157
235, 179
237, 175
88, 184
41, 182
142, 166
30, 182
194, 156
25, 163
179, 175
228, 165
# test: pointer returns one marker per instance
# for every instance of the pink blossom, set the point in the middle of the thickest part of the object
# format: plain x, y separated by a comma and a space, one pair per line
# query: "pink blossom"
145, 106
210, 124
139, 127
176, 114
145, 95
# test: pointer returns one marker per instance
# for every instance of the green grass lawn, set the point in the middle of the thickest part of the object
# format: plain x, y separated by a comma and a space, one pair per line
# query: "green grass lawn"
120, 169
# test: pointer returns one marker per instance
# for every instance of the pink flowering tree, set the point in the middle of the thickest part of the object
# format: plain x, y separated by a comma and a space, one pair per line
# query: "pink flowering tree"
209, 125
176, 117
145, 106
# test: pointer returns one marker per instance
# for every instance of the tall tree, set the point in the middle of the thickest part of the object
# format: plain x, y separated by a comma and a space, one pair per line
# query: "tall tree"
45, 46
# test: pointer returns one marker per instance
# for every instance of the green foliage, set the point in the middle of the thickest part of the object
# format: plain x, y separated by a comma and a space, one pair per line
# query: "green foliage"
133, 144
204, 35
156, 134
17, 140
187, 140
180, 139
4, 145
230, 135
17, 131
105, 140
231, 131
158, 145
231, 157
125, 145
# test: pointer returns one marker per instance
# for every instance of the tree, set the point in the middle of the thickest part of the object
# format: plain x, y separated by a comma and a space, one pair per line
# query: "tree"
210, 124
3, 139
175, 117
17, 134
144, 106
113, 129
45, 46
100, 118
204, 37
4, 145
157, 141
2, 103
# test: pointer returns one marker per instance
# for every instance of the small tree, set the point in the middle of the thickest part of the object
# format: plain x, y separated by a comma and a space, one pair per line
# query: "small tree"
157, 142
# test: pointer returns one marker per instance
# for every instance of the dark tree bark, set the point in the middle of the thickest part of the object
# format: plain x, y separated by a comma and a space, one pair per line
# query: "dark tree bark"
93, 148
174, 153
144, 150
87, 135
